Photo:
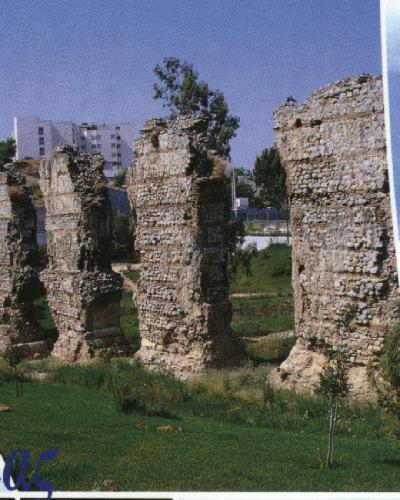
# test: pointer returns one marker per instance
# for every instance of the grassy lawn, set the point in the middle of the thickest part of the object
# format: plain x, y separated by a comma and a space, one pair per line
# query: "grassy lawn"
129, 319
227, 440
270, 272
147, 431
260, 316
132, 275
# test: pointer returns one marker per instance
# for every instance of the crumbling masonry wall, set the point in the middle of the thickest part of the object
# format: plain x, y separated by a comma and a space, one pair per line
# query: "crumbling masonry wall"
344, 274
19, 284
83, 293
182, 300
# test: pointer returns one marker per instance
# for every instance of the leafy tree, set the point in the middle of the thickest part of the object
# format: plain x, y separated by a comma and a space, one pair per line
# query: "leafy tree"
119, 177
183, 93
385, 379
333, 385
122, 237
7, 151
234, 239
270, 177
244, 190
14, 357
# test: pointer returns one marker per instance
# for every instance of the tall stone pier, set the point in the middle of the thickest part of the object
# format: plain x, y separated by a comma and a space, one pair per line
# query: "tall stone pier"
182, 300
19, 284
83, 292
344, 274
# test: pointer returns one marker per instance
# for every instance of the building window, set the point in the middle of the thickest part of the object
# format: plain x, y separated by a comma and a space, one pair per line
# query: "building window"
118, 137
93, 146
41, 140
83, 138
119, 155
92, 137
118, 146
98, 146
119, 163
98, 137
114, 163
113, 145
41, 151
117, 128
112, 136
40, 130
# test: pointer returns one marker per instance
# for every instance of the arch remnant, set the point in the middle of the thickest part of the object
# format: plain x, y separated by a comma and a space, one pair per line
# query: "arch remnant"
83, 292
178, 199
19, 284
344, 272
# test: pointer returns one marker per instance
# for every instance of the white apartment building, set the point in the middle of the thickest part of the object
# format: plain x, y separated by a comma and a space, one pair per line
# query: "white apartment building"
36, 138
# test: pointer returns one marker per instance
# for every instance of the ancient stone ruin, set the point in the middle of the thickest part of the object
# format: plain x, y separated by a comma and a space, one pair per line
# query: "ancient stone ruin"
178, 198
19, 285
344, 272
83, 293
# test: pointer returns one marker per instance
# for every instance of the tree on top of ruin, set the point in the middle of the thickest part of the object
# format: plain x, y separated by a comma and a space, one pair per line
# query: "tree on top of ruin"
7, 151
183, 93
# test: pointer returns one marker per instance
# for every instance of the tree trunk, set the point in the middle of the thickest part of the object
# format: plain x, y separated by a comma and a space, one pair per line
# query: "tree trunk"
287, 219
330, 437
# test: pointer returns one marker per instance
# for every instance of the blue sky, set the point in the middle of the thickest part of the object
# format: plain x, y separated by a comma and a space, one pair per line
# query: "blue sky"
92, 60
393, 62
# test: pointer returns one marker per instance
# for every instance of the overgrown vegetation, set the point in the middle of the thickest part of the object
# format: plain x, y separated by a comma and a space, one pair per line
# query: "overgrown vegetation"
119, 177
252, 438
333, 386
385, 379
8, 149
122, 246
270, 272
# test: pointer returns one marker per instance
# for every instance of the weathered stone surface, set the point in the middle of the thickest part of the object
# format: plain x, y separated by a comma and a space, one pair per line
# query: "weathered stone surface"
344, 273
83, 292
19, 285
182, 298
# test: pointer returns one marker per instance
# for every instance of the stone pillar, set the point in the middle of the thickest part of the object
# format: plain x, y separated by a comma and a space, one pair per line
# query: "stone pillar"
344, 273
19, 285
83, 292
182, 300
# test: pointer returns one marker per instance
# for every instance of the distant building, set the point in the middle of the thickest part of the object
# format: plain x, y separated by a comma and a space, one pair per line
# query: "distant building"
36, 138
241, 203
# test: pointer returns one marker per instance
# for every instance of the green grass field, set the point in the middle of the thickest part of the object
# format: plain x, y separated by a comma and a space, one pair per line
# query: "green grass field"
220, 436
270, 273
121, 427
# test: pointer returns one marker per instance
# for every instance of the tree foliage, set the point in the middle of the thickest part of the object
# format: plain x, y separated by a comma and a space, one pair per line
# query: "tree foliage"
122, 245
14, 357
333, 385
270, 177
385, 379
7, 151
119, 177
183, 93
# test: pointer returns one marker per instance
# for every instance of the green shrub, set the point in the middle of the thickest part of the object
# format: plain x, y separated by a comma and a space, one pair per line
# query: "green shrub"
119, 177
386, 381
